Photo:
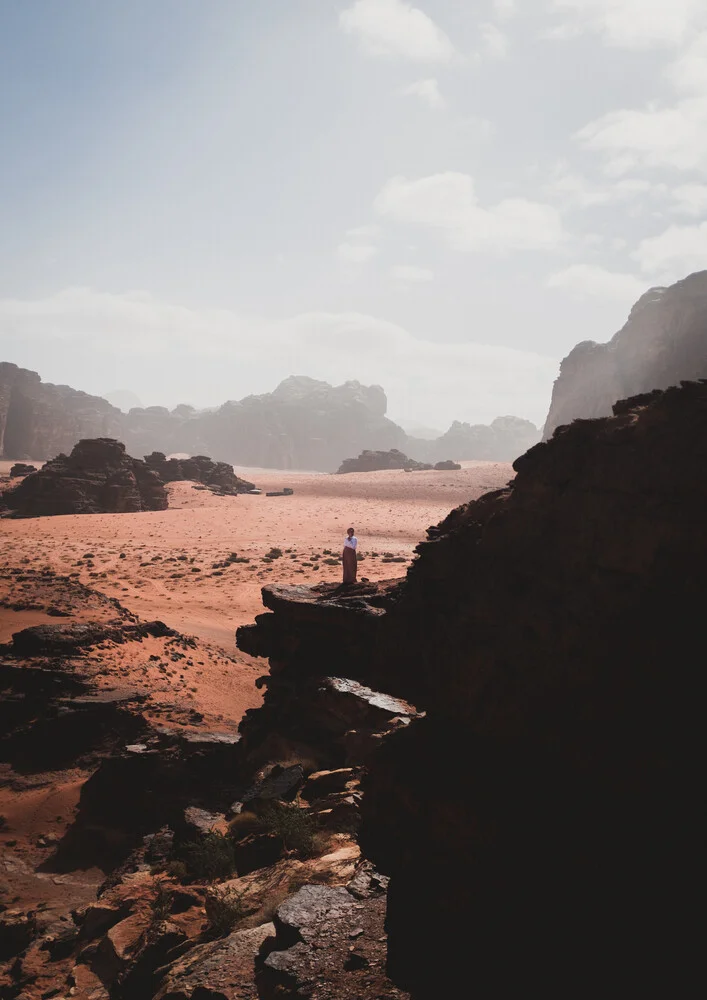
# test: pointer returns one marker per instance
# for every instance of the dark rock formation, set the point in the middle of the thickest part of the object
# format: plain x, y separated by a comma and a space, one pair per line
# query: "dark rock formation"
39, 420
218, 476
663, 342
374, 461
447, 466
21, 469
539, 824
97, 478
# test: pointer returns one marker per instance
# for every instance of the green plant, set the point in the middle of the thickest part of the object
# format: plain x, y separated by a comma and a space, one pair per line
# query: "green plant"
294, 825
224, 908
210, 858
274, 553
331, 562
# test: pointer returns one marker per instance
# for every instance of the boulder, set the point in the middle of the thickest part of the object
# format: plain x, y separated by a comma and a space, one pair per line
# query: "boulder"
447, 466
218, 476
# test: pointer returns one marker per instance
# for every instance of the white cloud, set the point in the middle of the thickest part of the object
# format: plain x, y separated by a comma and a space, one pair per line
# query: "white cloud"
504, 9
494, 43
449, 203
690, 199
654, 137
575, 191
356, 253
410, 274
424, 379
632, 24
589, 281
675, 253
396, 28
427, 91
369, 232
688, 73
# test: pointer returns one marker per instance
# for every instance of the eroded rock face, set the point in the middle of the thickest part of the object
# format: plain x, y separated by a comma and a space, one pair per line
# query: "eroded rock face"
663, 342
96, 478
39, 420
537, 824
20, 469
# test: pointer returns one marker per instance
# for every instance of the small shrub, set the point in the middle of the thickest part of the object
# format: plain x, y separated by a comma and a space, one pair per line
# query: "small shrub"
3, 822
162, 903
274, 554
210, 858
294, 825
331, 562
223, 911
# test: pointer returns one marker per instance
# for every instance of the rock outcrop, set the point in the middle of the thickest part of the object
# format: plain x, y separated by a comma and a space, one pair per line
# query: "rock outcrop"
663, 342
218, 476
447, 466
375, 461
539, 823
21, 469
96, 478
39, 420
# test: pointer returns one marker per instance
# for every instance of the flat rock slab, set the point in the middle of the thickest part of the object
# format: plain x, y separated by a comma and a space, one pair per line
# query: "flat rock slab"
330, 945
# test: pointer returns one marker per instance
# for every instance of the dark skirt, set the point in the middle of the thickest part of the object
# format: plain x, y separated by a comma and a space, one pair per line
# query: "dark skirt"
349, 560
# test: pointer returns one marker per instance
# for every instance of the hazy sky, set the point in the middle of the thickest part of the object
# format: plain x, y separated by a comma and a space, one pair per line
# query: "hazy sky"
201, 197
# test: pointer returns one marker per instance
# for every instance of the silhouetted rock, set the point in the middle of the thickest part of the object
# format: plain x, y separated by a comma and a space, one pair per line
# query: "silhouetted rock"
539, 823
374, 461
21, 469
97, 478
447, 466
218, 476
663, 342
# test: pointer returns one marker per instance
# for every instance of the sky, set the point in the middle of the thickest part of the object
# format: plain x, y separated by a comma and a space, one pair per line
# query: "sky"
199, 198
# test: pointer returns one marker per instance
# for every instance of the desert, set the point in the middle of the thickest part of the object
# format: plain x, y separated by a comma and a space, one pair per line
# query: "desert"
353, 550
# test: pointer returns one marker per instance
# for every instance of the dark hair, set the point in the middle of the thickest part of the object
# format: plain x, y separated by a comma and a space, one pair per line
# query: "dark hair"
349, 529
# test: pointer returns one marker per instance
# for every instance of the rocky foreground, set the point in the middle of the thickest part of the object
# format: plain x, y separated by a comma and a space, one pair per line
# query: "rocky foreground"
483, 774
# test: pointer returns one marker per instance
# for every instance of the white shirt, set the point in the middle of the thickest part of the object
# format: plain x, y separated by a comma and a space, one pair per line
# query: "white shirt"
350, 543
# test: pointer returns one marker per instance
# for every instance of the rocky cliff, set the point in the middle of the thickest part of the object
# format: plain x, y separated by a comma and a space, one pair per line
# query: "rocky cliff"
303, 424
663, 342
539, 823
96, 478
39, 420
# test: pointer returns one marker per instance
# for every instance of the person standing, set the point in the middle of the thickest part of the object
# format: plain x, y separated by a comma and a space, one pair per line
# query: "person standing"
349, 557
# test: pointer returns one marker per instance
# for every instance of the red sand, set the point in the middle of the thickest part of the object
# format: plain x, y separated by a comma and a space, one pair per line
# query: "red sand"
167, 570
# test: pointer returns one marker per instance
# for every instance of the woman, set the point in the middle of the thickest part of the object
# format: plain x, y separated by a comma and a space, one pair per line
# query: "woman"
349, 557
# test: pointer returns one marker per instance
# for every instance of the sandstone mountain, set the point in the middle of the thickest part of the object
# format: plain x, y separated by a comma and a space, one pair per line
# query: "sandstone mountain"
663, 342
539, 824
303, 424
39, 420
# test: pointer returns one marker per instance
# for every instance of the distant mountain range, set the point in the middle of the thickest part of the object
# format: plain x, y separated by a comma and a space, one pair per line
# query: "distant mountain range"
303, 424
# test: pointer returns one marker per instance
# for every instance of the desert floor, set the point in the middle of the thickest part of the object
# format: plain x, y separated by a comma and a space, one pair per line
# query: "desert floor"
172, 565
